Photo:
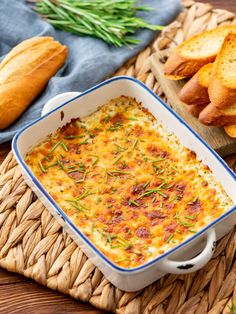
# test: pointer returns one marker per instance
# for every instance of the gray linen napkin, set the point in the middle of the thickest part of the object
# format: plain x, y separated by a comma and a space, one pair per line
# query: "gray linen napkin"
90, 60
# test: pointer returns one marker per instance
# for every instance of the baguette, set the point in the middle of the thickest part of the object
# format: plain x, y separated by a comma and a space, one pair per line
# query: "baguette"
211, 115
195, 52
196, 109
195, 91
24, 73
222, 87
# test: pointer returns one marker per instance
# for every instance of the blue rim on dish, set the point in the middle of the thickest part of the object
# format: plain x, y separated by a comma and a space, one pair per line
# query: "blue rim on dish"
69, 222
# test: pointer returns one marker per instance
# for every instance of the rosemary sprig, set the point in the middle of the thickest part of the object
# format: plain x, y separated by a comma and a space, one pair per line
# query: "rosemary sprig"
112, 21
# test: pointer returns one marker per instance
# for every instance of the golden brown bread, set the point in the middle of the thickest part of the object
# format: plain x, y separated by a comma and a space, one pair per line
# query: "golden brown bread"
195, 52
24, 73
195, 91
222, 86
211, 115
196, 109
231, 130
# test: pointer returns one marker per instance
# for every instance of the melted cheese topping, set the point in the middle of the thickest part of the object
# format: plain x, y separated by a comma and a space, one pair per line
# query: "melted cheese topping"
127, 183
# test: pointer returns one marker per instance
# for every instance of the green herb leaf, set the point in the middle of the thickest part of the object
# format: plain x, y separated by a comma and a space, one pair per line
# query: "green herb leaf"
135, 144
116, 161
133, 203
112, 21
64, 146
42, 167
55, 146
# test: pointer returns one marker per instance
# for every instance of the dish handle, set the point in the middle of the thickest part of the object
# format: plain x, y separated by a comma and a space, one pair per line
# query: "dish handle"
58, 100
194, 264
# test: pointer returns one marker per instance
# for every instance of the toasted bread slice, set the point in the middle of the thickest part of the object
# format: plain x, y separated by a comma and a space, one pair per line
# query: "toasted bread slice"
195, 92
222, 86
195, 109
231, 130
197, 51
211, 115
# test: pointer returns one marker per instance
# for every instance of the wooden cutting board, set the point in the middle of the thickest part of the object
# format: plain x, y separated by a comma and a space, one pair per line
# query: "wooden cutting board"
214, 136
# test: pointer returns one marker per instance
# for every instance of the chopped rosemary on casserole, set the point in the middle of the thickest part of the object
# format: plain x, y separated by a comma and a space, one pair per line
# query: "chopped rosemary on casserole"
127, 183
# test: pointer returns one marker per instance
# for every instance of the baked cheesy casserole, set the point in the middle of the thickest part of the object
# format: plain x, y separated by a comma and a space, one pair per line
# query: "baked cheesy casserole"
127, 183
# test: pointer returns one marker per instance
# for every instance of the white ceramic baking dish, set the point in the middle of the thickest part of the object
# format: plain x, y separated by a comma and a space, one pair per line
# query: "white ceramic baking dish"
178, 260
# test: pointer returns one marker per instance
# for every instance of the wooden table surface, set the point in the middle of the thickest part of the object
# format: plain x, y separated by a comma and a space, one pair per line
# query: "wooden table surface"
21, 295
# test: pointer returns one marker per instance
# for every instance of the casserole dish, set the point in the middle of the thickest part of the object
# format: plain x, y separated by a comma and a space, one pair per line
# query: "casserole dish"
176, 260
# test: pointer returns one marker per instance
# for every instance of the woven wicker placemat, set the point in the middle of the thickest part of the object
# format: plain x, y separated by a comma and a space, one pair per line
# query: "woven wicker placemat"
32, 243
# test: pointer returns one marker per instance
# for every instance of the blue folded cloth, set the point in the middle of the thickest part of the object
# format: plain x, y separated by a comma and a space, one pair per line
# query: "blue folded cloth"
90, 60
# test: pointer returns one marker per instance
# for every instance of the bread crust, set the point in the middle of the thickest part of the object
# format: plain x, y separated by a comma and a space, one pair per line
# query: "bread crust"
24, 73
193, 93
231, 130
211, 115
182, 65
196, 109
220, 95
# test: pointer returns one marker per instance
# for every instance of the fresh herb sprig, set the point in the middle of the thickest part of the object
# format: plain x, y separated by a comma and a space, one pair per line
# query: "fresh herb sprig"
111, 20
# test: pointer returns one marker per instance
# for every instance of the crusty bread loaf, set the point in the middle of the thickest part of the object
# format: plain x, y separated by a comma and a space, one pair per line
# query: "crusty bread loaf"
195, 52
24, 73
195, 91
211, 115
222, 86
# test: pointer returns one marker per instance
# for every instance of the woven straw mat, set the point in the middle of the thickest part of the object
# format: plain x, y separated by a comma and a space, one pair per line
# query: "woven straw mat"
32, 243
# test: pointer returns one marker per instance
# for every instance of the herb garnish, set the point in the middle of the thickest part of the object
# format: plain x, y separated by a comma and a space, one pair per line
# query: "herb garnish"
146, 184
157, 190
170, 238
192, 217
110, 173
73, 136
119, 149
132, 119
76, 170
55, 146
60, 164
131, 202
117, 159
42, 167
64, 146
135, 144
84, 177
95, 161
185, 224
52, 165
85, 194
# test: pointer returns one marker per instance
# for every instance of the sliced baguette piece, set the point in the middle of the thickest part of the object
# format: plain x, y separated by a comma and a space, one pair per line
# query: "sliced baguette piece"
211, 115
231, 130
195, 52
195, 91
222, 86
195, 109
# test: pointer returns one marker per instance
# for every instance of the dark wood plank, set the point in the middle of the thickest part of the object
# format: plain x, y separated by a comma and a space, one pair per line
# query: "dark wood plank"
20, 295
4, 150
31, 298
10, 278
